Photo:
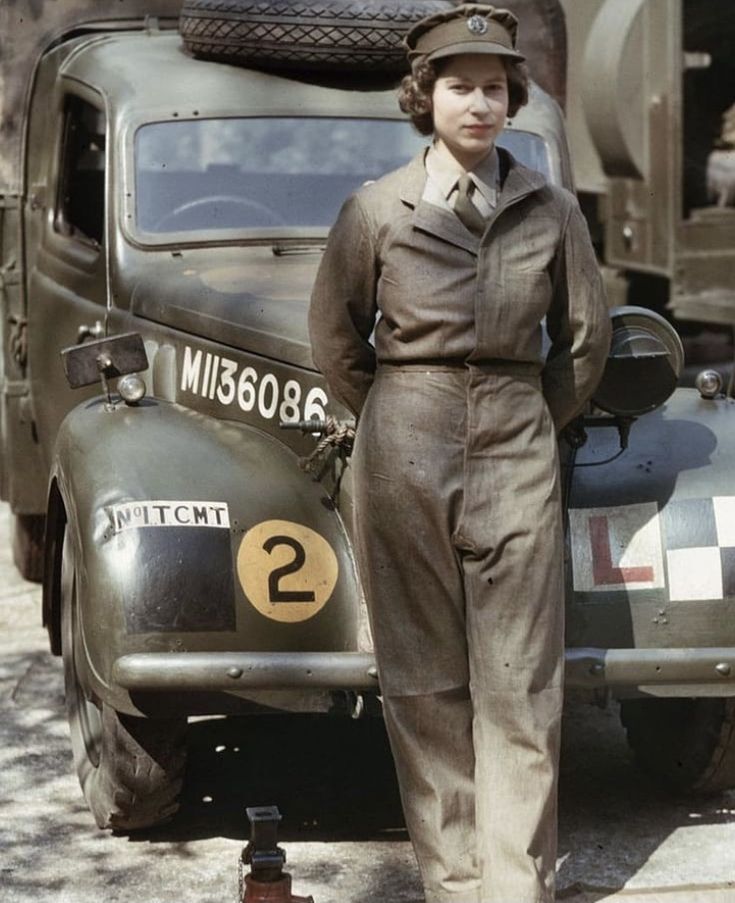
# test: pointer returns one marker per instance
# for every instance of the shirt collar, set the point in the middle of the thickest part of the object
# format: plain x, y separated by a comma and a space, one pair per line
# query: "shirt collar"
518, 180
445, 172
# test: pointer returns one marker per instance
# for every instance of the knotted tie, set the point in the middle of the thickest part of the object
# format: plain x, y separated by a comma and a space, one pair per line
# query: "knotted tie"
465, 209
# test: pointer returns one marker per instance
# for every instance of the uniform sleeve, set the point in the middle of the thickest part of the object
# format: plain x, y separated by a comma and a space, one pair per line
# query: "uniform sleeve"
343, 307
577, 322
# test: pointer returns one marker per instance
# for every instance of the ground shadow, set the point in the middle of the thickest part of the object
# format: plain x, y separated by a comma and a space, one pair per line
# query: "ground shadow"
332, 778
614, 818
333, 781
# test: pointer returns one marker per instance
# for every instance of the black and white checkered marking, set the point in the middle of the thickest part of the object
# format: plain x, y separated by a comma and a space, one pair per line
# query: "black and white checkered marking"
687, 548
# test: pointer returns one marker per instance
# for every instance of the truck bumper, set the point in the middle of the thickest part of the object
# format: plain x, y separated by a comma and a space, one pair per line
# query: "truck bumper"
688, 668
233, 671
585, 668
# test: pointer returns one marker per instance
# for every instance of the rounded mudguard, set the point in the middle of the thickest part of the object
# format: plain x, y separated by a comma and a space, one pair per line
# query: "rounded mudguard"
193, 535
652, 533
652, 566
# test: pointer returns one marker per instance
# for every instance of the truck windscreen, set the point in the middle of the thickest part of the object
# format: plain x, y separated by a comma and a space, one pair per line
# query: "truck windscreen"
261, 173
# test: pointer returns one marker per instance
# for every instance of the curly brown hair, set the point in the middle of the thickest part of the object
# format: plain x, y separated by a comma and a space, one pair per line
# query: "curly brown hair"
414, 96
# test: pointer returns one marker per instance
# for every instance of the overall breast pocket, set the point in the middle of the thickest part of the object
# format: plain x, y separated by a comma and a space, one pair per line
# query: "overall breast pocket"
536, 249
527, 296
522, 304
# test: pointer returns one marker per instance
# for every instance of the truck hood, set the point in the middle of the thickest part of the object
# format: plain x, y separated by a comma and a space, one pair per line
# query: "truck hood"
249, 298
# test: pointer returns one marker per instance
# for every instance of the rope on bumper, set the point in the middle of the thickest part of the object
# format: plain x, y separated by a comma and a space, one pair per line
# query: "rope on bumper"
338, 435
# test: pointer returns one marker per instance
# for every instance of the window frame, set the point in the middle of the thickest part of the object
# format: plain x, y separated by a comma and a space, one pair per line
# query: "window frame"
261, 235
62, 226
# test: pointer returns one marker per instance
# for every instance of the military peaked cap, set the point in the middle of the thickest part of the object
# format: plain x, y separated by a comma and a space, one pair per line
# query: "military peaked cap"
469, 28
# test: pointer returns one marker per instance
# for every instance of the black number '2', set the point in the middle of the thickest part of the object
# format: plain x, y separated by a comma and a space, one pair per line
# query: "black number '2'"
275, 593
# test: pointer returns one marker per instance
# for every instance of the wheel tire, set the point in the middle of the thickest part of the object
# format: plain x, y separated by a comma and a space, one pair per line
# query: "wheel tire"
360, 35
687, 744
28, 554
130, 769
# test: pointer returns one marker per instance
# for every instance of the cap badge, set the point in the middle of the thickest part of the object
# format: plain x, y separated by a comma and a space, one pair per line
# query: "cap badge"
477, 25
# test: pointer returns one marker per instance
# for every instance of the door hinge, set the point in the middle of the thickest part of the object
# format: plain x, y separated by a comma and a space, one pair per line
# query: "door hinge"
10, 201
18, 339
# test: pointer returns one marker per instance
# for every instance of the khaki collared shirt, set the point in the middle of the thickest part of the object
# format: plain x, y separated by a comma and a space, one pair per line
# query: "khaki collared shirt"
443, 175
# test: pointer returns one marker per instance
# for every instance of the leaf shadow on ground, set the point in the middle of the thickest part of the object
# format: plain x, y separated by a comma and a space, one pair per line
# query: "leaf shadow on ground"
50, 847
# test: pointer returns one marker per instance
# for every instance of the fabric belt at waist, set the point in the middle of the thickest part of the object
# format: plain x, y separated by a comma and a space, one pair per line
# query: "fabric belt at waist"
501, 367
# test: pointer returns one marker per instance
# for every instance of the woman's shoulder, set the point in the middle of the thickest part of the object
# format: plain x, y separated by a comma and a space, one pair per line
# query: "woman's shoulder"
390, 187
559, 199
543, 191
379, 201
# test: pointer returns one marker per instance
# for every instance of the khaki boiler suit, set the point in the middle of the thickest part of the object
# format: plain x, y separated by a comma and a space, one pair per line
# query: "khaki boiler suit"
457, 498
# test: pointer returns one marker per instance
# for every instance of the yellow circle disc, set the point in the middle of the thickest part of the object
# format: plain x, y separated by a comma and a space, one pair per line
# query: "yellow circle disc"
288, 571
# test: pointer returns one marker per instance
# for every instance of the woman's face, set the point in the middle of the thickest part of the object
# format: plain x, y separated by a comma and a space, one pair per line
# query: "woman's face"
469, 106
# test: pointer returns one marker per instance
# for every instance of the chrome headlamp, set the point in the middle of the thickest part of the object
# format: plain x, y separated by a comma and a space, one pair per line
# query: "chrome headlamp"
644, 364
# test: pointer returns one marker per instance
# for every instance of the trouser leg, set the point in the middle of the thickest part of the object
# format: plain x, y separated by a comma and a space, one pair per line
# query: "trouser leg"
516, 742
408, 490
516, 686
513, 565
495, 622
431, 740
517, 701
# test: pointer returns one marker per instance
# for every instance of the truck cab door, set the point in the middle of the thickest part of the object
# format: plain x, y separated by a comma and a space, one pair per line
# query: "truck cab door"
67, 296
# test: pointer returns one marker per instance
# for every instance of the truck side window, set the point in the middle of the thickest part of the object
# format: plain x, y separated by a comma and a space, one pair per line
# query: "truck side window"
81, 202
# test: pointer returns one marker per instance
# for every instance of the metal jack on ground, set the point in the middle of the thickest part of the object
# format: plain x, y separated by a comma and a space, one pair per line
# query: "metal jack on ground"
266, 882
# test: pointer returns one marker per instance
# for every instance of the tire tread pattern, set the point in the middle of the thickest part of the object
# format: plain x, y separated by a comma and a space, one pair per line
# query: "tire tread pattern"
324, 35
139, 778
720, 772
130, 769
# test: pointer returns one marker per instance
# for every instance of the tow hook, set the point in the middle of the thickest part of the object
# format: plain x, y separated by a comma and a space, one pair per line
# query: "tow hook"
266, 882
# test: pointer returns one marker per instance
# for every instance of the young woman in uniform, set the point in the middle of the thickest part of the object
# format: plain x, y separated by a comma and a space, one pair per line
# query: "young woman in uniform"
458, 524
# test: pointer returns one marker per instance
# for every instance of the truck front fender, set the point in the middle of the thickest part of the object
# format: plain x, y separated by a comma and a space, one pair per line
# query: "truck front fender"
651, 538
192, 535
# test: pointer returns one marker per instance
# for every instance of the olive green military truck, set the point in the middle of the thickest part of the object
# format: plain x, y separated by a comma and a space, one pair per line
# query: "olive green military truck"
167, 449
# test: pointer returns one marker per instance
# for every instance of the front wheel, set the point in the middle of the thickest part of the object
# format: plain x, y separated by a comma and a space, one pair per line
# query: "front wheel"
688, 744
130, 769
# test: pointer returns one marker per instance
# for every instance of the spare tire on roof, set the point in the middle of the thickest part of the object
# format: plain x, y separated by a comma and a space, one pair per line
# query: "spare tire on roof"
354, 35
